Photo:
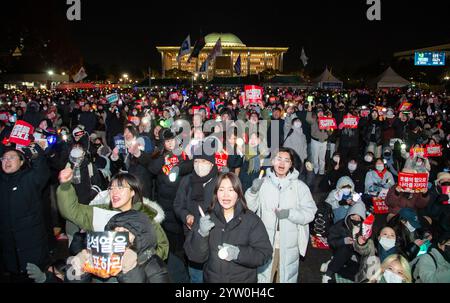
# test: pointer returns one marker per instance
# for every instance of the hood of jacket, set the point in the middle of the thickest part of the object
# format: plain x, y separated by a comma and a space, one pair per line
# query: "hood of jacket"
103, 199
356, 209
284, 182
343, 181
139, 225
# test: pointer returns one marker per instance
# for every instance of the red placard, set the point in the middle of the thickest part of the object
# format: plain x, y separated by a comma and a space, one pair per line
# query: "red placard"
327, 123
195, 109
418, 151
445, 190
21, 132
319, 242
416, 182
4, 116
221, 160
405, 106
379, 206
253, 93
351, 121
365, 113
434, 151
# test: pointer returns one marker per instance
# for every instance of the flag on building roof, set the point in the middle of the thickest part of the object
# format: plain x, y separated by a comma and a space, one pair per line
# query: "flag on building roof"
185, 48
198, 46
216, 50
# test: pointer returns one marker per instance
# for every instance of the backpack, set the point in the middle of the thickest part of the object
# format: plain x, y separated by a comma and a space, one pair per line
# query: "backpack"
323, 220
414, 265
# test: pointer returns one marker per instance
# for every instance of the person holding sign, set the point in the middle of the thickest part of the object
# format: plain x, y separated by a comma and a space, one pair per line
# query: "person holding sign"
319, 139
23, 234
379, 180
124, 193
398, 197
229, 237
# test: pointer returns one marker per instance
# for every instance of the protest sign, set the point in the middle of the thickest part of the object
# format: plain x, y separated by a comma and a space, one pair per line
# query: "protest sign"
119, 142
4, 116
106, 253
351, 121
111, 98
379, 206
327, 123
434, 151
253, 93
21, 132
414, 182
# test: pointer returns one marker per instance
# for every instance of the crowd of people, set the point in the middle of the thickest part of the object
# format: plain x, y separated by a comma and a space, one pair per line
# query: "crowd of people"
212, 187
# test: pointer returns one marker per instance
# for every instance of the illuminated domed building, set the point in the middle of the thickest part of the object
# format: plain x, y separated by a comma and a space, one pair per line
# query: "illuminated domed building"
254, 59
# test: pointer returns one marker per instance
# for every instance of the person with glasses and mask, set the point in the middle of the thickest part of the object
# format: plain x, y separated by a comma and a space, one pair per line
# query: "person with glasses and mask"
286, 207
124, 193
23, 236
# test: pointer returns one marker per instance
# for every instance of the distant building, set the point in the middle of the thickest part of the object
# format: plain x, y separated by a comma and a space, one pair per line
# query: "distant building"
253, 59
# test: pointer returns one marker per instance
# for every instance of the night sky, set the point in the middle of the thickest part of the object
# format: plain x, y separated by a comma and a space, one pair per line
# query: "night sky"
334, 33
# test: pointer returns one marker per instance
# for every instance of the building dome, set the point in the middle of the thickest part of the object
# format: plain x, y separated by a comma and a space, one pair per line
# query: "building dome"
227, 39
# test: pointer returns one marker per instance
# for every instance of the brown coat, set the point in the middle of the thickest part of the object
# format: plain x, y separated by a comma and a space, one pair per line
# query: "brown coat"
396, 200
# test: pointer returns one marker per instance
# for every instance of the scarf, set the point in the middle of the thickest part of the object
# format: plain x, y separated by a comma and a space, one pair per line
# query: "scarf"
198, 189
381, 174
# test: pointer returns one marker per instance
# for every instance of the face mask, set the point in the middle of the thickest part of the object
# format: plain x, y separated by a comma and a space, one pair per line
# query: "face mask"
387, 155
346, 191
387, 243
356, 223
202, 169
380, 167
297, 125
352, 167
368, 158
391, 277
76, 156
410, 227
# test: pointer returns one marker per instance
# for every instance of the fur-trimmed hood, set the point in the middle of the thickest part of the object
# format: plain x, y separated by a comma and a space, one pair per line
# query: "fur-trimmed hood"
102, 198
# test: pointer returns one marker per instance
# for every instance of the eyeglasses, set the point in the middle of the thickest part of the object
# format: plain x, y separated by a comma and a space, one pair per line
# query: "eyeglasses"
279, 159
10, 158
111, 188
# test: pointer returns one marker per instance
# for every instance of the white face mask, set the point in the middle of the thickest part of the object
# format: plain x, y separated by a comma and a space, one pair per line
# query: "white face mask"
352, 167
387, 243
346, 191
297, 125
368, 158
202, 169
391, 277
410, 227
380, 167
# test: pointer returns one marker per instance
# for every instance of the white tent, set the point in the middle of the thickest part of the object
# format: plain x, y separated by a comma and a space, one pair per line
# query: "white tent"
327, 80
389, 78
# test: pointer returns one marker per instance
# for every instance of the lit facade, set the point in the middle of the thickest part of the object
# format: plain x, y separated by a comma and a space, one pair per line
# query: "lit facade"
253, 59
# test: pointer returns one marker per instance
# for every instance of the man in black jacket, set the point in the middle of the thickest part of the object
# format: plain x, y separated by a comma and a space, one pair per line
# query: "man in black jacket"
23, 238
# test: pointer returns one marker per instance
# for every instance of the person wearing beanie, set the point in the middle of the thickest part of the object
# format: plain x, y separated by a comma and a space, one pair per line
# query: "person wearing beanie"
196, 189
